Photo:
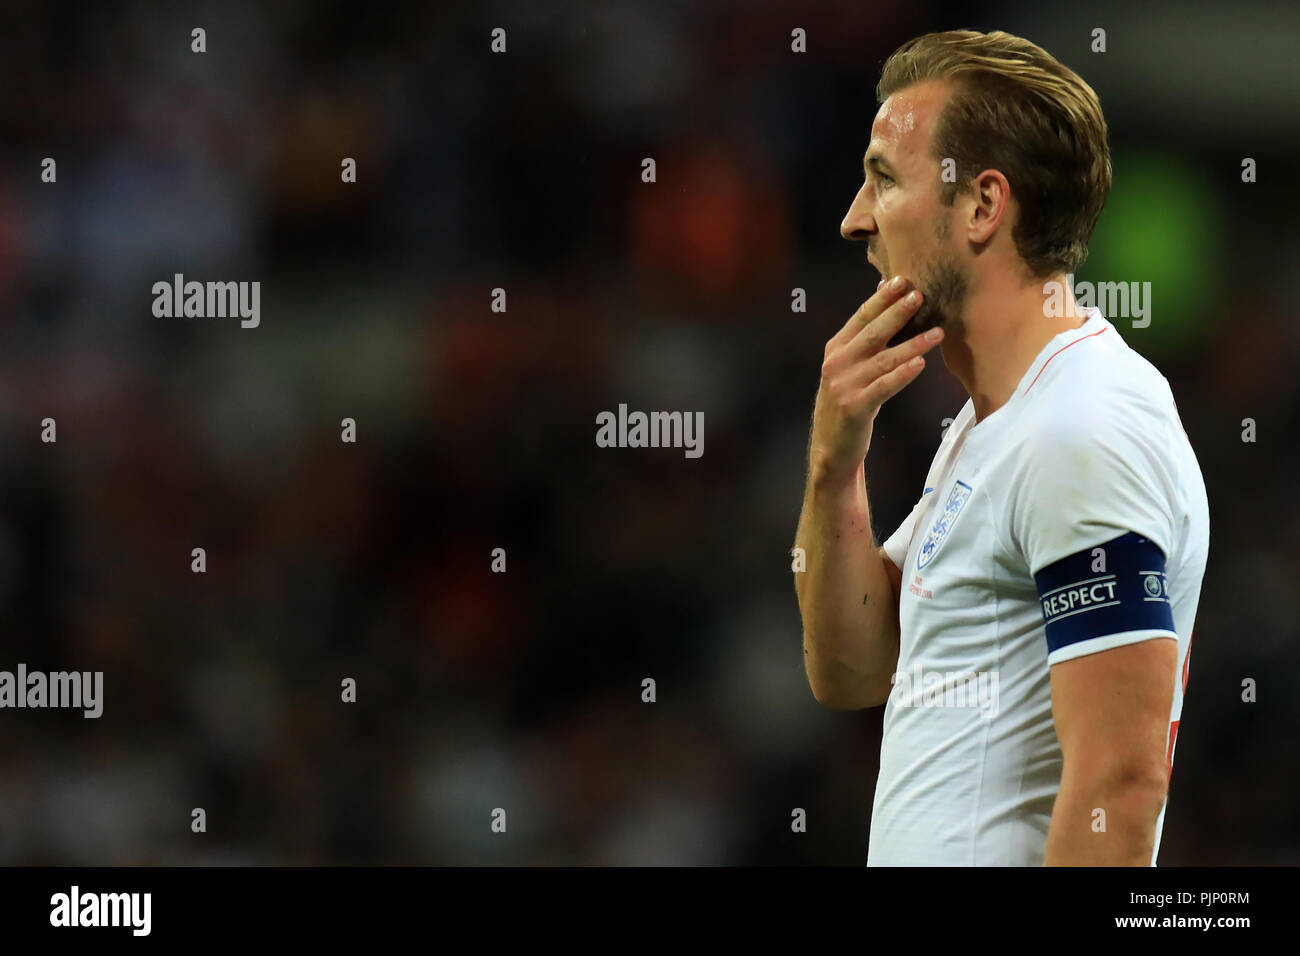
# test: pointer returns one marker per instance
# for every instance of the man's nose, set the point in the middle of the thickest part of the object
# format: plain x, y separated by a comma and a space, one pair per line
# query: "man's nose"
858, 223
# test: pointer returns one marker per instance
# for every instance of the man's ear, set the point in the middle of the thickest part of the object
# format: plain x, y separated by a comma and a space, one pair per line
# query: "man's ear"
990, 200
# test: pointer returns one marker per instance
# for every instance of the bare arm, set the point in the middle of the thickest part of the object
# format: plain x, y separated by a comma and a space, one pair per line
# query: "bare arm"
848, 598
1111, 711
848, 593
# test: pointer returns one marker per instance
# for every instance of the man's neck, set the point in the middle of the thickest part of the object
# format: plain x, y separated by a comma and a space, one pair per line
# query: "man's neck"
1004, 328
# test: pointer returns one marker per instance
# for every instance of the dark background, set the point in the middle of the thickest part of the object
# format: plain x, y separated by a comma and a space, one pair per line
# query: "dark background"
476, 429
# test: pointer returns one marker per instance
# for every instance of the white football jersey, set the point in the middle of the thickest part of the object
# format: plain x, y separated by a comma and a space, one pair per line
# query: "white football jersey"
1071, 520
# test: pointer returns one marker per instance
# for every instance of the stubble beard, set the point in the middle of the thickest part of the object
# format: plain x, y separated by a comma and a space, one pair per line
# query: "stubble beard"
944, 286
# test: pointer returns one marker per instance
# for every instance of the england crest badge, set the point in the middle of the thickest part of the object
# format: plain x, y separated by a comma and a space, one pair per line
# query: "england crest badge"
957, 499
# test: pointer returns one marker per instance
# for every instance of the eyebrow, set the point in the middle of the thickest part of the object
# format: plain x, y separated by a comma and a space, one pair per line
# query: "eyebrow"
877, 163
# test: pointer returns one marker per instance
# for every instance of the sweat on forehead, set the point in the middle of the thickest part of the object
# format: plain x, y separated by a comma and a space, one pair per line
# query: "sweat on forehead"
907, 115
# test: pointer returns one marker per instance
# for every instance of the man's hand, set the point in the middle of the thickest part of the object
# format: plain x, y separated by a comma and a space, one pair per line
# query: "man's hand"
859, 374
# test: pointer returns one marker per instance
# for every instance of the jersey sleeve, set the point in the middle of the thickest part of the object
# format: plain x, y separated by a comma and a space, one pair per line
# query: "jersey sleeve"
1092, 512
897, 544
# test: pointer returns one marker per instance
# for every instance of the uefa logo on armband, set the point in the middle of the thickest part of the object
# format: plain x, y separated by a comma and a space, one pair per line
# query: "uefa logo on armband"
1155, 586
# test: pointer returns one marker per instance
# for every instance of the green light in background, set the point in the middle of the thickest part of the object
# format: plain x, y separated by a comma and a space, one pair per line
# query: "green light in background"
1155, 228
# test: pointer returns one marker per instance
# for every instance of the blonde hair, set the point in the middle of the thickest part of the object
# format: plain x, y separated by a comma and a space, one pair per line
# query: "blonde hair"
1015, 108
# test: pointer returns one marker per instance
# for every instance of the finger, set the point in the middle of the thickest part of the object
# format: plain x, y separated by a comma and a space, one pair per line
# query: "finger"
889, 385
873, 336
885, 295
884, 362
909, 348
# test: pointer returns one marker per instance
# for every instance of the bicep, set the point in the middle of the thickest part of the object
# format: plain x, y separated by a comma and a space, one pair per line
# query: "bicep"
1111, 709
1113, 653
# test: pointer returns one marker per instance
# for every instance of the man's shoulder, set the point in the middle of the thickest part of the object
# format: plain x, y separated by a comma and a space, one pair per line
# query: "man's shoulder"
1108, 390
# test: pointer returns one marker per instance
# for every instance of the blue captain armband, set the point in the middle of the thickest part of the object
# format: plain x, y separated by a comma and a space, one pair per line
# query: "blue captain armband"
1116, 588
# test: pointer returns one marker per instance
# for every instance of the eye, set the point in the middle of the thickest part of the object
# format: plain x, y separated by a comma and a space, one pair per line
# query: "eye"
885, 180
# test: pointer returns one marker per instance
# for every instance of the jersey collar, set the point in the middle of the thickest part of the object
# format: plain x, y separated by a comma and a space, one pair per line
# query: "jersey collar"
1094, 324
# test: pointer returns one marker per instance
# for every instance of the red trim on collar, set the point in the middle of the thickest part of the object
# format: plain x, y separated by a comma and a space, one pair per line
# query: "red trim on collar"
1090, 335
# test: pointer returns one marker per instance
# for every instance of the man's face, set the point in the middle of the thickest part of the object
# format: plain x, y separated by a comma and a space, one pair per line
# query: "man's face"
898, 212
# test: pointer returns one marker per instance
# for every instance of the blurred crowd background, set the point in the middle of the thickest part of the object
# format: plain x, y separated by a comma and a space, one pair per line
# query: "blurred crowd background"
522, 171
